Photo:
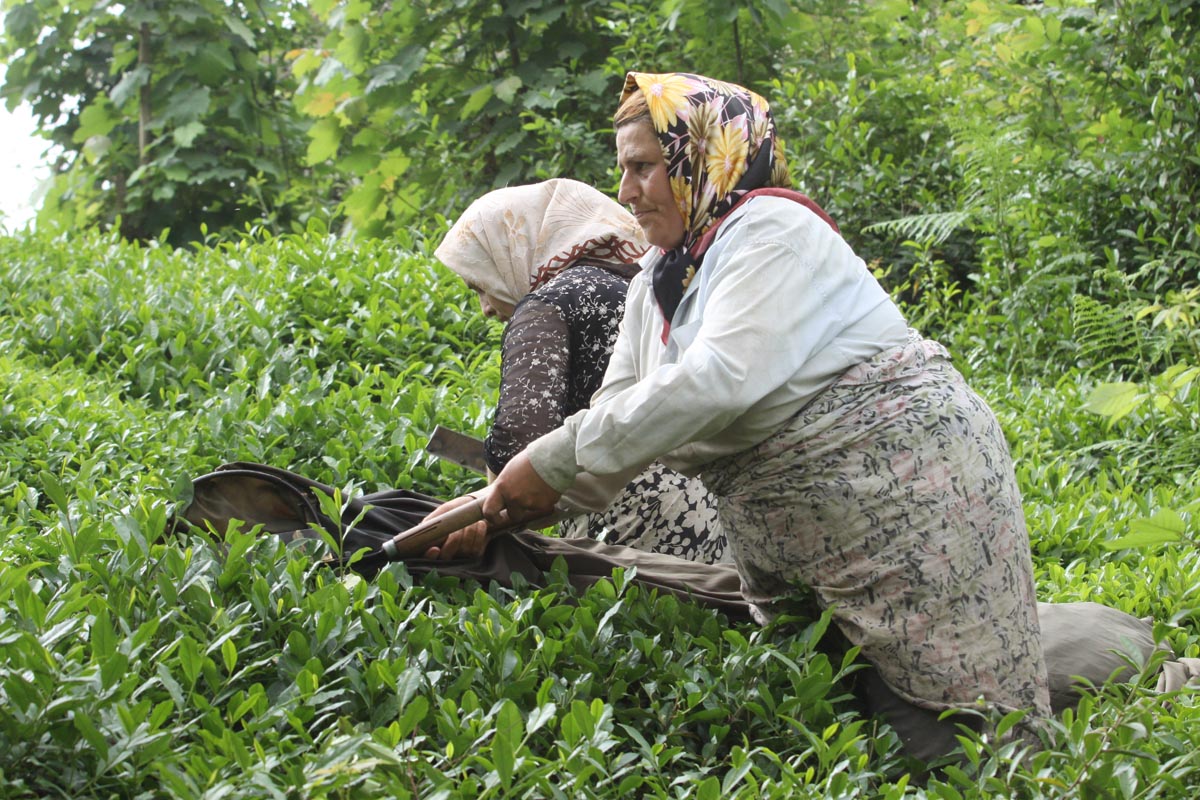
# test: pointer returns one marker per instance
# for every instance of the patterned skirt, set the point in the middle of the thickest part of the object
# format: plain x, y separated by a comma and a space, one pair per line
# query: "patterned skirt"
660, 511
891, 497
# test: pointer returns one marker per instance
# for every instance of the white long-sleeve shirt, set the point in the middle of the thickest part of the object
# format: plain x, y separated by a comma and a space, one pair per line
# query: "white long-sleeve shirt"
780, 309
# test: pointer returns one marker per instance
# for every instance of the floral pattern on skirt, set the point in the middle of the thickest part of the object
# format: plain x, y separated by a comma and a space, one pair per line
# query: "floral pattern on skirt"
892, 498
659, 511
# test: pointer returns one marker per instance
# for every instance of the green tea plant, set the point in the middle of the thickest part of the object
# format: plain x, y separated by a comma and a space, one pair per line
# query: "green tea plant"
138, 662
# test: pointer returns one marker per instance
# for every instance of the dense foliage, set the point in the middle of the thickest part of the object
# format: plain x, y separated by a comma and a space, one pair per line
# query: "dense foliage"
1039, 159
137, 664
165, 115
234, 264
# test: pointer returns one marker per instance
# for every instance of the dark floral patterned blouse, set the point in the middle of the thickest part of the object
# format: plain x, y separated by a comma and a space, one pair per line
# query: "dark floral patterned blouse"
555, 350
553, 356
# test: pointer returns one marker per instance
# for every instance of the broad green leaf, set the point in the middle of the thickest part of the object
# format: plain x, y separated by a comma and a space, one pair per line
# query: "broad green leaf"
1143, 539
322, 8
506, 741
734, 776
408, 684
326, 135
98, 119
596, 82
476, 101
87, 728
781, 10
187, 105
1166, 526
129, 84
102, 636
629, 784
213, 63
270, 138
1053, 28
358, 160
21, 23
229, 655
1180, 375
304, 61
55, 491
709, 789
320, 104
357, 10
162, 712
507, 89
1114, 400
412, 715
1036, 34
399, 70
365, 202
185, 134
239, 28
394, 165
191, 660
113, 669
539, 717
96, 148
350, 49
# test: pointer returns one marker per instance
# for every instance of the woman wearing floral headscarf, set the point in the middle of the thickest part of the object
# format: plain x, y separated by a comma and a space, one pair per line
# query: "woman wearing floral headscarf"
555, 259
851, 462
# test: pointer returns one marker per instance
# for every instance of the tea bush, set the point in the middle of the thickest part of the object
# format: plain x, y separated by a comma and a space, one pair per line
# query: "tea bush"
141, 665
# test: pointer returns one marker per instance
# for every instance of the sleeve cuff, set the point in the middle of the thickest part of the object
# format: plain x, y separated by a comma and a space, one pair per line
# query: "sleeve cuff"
553, 457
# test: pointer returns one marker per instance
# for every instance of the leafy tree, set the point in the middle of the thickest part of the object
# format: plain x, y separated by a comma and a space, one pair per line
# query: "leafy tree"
422, 103
426, 105
169, 113
1076, 123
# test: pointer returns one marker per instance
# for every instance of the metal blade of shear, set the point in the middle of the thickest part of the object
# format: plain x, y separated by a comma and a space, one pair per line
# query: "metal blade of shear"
457, 448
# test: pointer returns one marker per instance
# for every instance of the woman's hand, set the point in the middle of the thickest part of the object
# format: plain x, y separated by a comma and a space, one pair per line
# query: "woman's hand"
518, 495
469, 542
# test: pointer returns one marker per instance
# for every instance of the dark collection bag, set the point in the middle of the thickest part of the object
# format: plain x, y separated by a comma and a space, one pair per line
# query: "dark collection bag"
288, 505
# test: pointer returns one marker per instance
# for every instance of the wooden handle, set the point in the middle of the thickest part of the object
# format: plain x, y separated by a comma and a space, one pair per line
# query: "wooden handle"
413, 542
433, 530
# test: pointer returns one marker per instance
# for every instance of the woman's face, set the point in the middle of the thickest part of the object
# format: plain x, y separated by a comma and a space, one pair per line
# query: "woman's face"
493, 306
645, 187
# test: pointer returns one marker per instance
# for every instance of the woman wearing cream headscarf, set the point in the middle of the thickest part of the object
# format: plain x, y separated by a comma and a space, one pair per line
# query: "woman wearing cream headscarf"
555, 260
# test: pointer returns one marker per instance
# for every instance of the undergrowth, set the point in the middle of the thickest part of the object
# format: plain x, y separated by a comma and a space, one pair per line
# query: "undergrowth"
139, 665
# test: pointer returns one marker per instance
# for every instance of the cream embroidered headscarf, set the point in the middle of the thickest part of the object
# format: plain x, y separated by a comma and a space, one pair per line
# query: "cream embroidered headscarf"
513, 240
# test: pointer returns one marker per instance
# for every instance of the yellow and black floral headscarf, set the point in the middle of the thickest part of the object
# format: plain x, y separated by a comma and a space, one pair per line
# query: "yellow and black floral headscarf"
720, 145
719, 142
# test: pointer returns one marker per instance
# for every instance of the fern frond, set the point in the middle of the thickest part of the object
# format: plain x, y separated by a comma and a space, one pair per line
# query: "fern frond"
932, 229
1079, 258
1104, 334
988, 158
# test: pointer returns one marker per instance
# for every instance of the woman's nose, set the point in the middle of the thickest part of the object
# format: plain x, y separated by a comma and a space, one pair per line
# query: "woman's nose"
626, 190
